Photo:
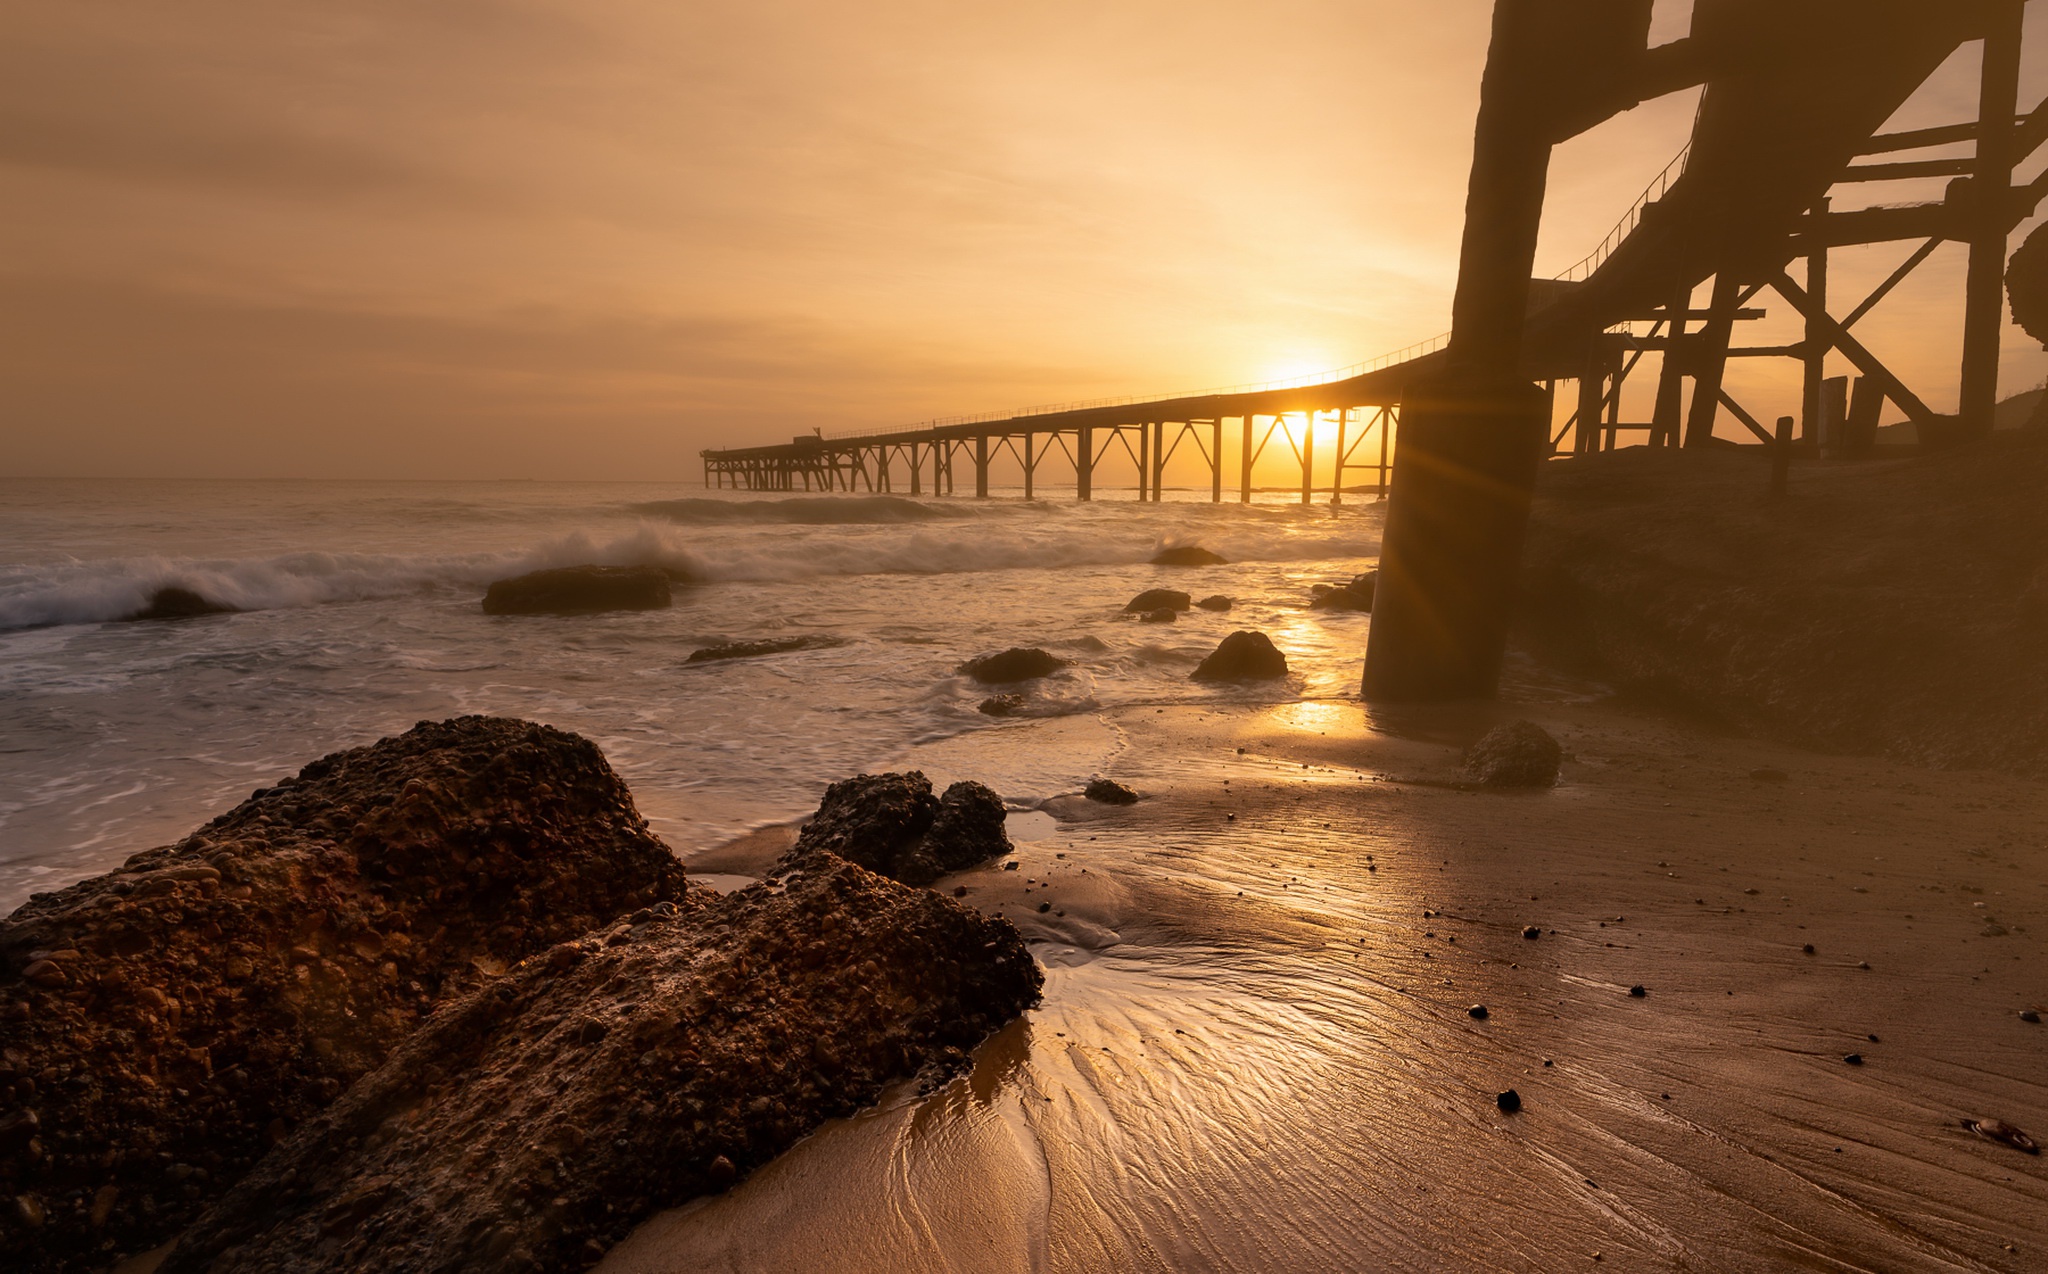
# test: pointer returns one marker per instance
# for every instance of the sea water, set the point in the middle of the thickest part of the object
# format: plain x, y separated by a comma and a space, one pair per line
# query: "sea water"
358, 614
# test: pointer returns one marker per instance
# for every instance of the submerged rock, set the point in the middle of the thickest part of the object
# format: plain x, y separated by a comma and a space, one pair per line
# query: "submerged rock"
1110, 792
1002, 705
1158, 599
179, 603
580, 590
533, 1125
1518, 755
211, 995
893, 825
1242, 656
1189, 555
1164, 615
1217, 603
1354, 596
1019, 663
765, 646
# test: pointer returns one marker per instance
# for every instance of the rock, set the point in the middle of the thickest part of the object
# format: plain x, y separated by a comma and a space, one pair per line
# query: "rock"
510, 1134
1158, 599
893, 825
1110, 792
1219, 603
1808, 948
1164, 615
1002, 705
1531, 932
1853, 1059
2003, 1133
238, 977
179, 603
1011, 666
2030, 1015
765, 646
1242, 656
1637, 991
1510, 1102
1518, 755
1477, 1013
580, 590
1354, 596
1189, 555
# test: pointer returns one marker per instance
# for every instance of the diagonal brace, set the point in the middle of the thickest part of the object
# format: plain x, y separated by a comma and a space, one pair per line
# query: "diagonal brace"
1838, 337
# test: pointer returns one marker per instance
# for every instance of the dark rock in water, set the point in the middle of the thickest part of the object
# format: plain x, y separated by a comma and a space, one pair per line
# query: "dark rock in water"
765, 646
1518, 755
179, 603
580, 590
893, 825
1354, 596
534, 1124
1217, 603
1158, 599
1164, 615
1013, 665
1189, 555
1242, 656
1110, 792
224, 989
1002, 705
1510, 1102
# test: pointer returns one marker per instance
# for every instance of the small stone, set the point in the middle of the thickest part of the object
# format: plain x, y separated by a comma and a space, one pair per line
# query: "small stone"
2003, 1133
1510, 1102
1110, 792
1477, 1012
1164, 615
1531, 932
1518, 755
1002, 705
2029, 1015
721, 1171
1637, 991
1808, 948
1010, 866
30, 1210
47, 974
959, 891
1044, 907
103, 1204
1218, 603
1854, 1059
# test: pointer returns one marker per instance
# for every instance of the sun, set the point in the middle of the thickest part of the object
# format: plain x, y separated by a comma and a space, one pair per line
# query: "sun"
1296, 368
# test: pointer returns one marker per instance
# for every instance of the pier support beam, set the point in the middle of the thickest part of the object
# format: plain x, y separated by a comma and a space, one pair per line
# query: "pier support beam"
1712, 362
981, 467
1245, 460
1084, 464
1815, 356
1990, 197
1216, 462
1308, 457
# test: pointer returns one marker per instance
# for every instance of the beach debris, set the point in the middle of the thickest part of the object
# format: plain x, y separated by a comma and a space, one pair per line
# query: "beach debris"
1531, 932
1217, 603
1242, 656
1637, 992
1477, 1012
1510, 1102
508, 1134
1158, 599
1353, 596
1110, 792
765, 646
1188, 555
892, 824
173, 602
1019, 663
580, 590
1518, 755
1164, 615
1853, 1059
226, 988
1008, 705
2003, 1133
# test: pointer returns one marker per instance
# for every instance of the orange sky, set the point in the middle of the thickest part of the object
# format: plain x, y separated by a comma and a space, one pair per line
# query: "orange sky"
531, 238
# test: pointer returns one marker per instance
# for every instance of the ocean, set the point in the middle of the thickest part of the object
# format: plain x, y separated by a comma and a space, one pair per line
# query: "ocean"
359, 615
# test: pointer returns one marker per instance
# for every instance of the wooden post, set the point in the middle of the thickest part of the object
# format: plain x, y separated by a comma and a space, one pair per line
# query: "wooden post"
1592, 399
1866, 407
1617, 372
1386, 421
1245, 460
1030, 462
1781, 456
1084, 463
1816, 356
1216, 461
1144, 461
1834, 412
1337, 486
1664, 421
981, 467
1712, 362
1990, 195
1158, 458
916, 471
1308, 457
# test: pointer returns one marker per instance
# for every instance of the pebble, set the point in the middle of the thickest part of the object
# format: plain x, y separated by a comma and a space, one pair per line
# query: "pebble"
1510, 1102
1854, 1059
1808, 948
2029, 1015
1637, 991
1477, 1012
1531, 932
1044, 907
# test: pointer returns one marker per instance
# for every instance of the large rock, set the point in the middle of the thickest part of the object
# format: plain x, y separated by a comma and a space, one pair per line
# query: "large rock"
1242, 656
179, 603
580, 590
1518, 755
755, 649
1354, 596
1158, 599
164, 1024
893, 825
1013, 665
533, 1125
1189, 555
1218, 603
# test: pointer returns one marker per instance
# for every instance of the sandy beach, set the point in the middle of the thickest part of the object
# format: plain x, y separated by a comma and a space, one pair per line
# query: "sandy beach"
1256, 1047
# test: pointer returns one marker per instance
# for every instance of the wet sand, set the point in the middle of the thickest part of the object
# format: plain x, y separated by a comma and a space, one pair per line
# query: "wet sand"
1255, 1050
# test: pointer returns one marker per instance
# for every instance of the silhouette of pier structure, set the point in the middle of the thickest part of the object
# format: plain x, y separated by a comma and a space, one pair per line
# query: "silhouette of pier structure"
1796, 92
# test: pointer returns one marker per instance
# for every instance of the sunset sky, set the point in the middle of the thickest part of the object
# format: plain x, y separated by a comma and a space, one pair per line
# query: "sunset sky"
533, 238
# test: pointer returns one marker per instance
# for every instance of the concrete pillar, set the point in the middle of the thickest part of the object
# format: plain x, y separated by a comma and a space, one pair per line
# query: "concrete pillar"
981, 467
1216, 462
1030, 463
1144, 462
1308, 457
1245, 460
1084, 464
